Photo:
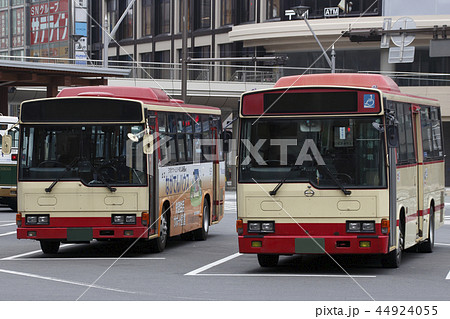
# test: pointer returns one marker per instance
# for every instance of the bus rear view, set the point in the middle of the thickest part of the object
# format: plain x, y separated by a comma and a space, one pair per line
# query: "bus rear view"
317, 171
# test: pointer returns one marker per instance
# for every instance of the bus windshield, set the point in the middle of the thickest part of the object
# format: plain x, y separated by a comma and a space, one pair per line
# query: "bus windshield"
94, 154
327, 153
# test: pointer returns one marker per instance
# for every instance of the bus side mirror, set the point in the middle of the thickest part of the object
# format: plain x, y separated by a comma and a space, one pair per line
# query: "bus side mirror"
392, 136
226, 138
147, 144
6, 144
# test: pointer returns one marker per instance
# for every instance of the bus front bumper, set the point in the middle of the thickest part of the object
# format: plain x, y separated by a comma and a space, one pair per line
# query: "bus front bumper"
82, 234
259, 244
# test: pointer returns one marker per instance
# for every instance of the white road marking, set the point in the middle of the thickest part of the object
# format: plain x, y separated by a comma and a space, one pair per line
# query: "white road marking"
286, 275
7, 225
211, 265
6, 234
31, 253
81, 258
198, 271
441, 244
63, 281
448, 276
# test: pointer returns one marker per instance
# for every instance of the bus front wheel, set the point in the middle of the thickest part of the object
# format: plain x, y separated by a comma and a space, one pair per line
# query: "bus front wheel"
158, 244
428, 245
266, 260
202, 233
50, 246
393, 258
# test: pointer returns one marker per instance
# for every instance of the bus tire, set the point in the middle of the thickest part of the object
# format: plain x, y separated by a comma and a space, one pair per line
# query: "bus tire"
157, 245
202, 233
394, 258
428, 245
50, 246
268, 260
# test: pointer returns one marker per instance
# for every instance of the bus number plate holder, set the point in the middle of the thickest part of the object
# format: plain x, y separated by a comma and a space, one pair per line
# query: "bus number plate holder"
309, 245
79, 234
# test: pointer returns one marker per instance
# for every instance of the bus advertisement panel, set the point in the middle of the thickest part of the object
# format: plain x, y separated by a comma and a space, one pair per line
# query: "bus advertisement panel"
338, 164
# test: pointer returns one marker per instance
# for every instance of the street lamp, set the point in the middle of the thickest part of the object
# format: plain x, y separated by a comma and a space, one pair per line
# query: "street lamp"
302, 13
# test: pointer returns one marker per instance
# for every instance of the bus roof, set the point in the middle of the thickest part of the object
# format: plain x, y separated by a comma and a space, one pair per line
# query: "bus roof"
375, 81
145, 95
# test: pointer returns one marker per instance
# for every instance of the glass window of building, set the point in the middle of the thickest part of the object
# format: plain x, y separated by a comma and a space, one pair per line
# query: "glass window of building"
162, 69
16, 2
273, 9
17, 27
147, 17
162, 16
111, 13
126, 27
4, 31
202, 15
226, 12
3, 3
246, 11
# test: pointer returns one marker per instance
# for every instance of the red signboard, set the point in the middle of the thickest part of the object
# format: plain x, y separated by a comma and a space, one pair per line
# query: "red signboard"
49, 22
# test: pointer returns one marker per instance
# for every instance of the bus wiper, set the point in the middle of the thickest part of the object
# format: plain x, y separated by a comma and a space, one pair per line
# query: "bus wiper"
100, 177
68, 168
333, 177
275, 190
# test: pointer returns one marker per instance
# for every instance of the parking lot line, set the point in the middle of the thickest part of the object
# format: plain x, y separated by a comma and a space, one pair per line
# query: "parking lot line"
80, 258
287, 275
6, 234
11, 272
211, 265
31, 253
10, 224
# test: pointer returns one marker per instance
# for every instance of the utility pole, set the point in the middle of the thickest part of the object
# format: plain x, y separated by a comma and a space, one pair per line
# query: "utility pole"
184, 58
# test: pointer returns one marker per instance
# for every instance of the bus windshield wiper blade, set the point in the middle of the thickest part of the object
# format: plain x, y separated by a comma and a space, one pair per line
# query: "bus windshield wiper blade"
68, 168
275, 190
333, 177
99, 176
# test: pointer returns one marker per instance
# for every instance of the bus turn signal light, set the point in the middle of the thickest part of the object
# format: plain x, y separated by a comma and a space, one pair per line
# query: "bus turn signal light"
240, 226
385, 228
145, 219
19, 220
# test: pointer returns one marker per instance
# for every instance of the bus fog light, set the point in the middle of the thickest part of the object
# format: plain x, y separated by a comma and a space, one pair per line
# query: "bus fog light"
31, 234
254, 226
268, 227
128, 233
364, 244
256, 243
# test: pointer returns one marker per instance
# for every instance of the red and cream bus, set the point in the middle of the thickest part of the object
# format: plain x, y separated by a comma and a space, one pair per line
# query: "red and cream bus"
110, 163
338, 164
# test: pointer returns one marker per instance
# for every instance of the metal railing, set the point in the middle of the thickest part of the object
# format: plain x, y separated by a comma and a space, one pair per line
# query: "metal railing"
226, 72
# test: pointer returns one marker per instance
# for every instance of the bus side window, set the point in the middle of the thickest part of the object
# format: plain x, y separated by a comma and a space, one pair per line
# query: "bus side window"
206, 135
189, 119
172, 135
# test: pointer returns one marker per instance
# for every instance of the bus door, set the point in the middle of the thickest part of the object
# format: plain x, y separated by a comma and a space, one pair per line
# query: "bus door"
416, 113
217, 208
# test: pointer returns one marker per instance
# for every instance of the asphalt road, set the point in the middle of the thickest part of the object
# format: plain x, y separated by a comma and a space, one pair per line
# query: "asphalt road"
211, 270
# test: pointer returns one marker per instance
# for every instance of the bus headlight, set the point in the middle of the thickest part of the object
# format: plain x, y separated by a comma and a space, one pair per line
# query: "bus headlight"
360, 226
261, 227
117, 219
37, 219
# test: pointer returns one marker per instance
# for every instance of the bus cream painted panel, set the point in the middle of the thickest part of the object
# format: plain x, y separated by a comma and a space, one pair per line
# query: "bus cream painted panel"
310, 207
80, 202
271, 205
